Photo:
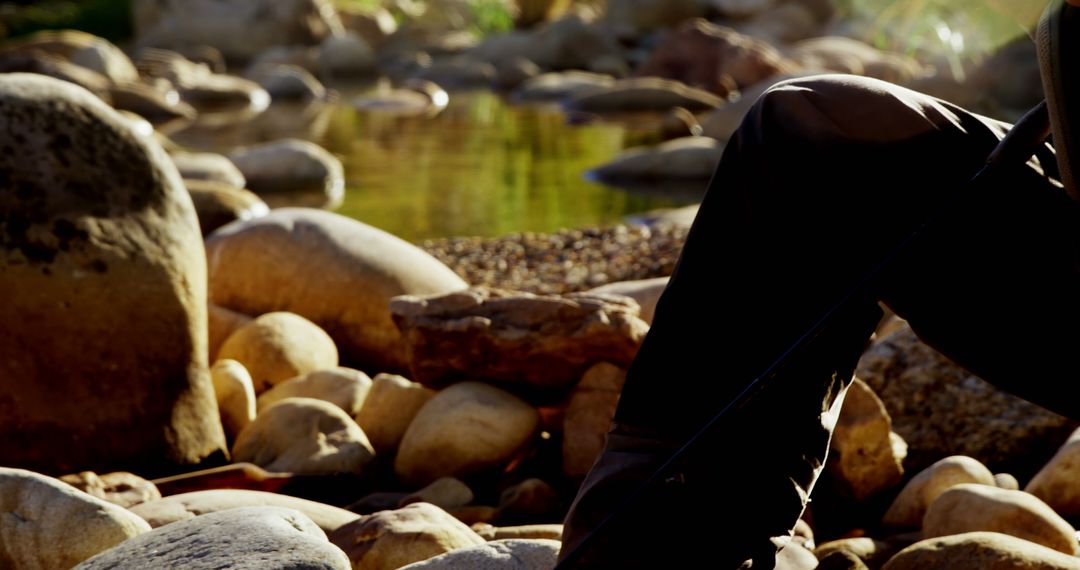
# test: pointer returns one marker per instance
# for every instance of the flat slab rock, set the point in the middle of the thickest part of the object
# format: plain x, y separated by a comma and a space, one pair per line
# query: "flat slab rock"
543, 341
259, 538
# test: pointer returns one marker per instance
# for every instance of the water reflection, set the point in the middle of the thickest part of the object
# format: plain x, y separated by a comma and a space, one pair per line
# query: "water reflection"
480, 167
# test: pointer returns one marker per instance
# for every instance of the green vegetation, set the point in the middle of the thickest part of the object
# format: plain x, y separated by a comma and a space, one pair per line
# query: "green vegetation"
110, 19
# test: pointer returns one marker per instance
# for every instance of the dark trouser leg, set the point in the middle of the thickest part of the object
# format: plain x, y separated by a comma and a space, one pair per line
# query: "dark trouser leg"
822, 180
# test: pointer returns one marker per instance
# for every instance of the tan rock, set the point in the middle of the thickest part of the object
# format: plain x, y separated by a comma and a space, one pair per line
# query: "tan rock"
278, 346
292, 172
46, 524
910, 505
389, 408
646, 292
235, 395
510, 554
546, 342
643, 94
475, 514
865, 457
972, 507
305, 436
337, 272
190, 505
547, 531
119, 488
391, 539
90, 208
158, 104
714, 58
874, 553
982, 550
685, 158
444, 492
222, 323
1007, 481
220, 99
556, 86
43, 63
841, 560
218, 204
1058, 482
795, 556
208, 166
346, 388
588, 417
82, 49
467, 428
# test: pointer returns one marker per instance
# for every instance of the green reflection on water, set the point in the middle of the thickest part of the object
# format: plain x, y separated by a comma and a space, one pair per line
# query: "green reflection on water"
482, 167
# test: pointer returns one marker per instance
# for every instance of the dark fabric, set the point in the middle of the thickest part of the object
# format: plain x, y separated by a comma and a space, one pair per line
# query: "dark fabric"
825, 176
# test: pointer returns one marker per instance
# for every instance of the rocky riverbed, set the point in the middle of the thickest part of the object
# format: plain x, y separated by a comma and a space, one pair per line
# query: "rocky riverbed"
203, 366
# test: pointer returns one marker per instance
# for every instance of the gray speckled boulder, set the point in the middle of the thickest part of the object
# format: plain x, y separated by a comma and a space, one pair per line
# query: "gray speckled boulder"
512, 554
256, 538
103, 280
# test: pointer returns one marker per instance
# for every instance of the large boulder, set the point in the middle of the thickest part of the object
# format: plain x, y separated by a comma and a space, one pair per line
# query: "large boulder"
466, 429
542, 342
250, 538
240, 29
972, 507
304, 436
982, 550
197, 503
509, 554
46, 524
336, 271
865, 456
90, 209
941, 409
388, 540
714, 58
687, 158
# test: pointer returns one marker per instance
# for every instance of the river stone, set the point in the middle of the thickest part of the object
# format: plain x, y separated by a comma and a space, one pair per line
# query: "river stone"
222, 323
714, 58
345, 56
336, 271
240, 29
865, 456
1058, 482
158, 104
197, 503
571, 42
208, 166
252, 538
119, 488
874, 553
80, 48
292, 172
304, 436
940, 410
556, 86
235, 395
444, 492
543, 342
344, 387
509, 554
910, 505
643, 94
971, 507
588, 417
90, 208
287, 82
465, 429
46, 524
218, 204
201, 87
686, 158
389, 408
546, 531
646, 292
387, 540
43, 63
278, 346
982, 550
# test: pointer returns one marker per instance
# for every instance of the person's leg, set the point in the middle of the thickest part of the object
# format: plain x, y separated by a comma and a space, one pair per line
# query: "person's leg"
824, 177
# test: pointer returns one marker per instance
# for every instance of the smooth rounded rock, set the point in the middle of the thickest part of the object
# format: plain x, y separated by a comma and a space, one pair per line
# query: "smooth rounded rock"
682, 158
588, 416
185, 506
508, 554
208, 166
547, 531
910, 505
346, 388
389, 408
46, 524
971, 507
304, 436
1058, 482
91, 208
119, 488
388, 540
218, 204
222, 323
235, 395
872, 552
865, 456
644, 94
465, 429
444, 492
345, 56
982, 550
292, 172
336, 271
278, 346
249, 538
645, 291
